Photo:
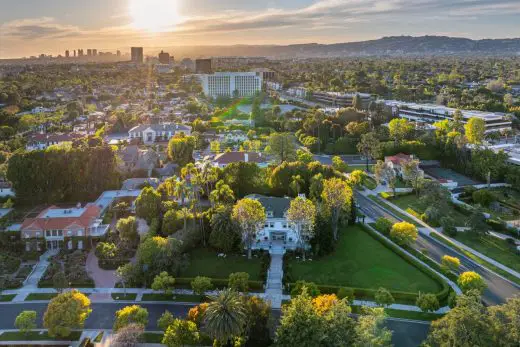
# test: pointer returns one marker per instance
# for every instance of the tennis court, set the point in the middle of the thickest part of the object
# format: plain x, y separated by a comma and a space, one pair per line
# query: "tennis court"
448, 174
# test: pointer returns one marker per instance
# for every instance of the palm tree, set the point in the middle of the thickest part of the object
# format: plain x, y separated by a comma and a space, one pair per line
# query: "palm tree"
225, 316
185, 212
180, 190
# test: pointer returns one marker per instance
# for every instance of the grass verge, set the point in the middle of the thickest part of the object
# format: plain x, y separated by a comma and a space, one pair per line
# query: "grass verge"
7, 297
40, 296
152, 337
393, 210
170, 297
123, 296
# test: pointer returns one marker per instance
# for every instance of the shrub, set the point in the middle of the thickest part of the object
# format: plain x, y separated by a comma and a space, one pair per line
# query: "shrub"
404, 233
165, 320
448, 226
312, 288
345, 292
483, 197
451, 263
130, 315
201, 285
384, 297
239, 281
383, 225
427, 302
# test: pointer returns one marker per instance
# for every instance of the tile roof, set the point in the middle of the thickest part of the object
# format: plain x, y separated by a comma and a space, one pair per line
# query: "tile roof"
233, 157
41, 222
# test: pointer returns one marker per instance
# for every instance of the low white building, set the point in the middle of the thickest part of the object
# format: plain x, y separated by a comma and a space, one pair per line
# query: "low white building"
151, 133
223, 159
42, 141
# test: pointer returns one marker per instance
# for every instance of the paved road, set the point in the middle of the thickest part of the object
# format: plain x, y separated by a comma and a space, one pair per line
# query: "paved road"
406, 333
498, 289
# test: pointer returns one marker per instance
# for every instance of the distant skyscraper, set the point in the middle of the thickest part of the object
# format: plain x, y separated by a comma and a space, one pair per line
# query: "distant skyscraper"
67, 53
203, 66
164, 58
118, 53
94, 52
89, 52
74, 53
137, 55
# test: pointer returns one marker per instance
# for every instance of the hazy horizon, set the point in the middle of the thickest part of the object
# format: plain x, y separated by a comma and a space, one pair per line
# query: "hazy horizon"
32, 27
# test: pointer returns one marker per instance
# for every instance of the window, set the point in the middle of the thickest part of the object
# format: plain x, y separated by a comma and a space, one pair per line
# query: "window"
47, 233
69, 232
55, 233
266, 225
60, 232
80, 232
269, 213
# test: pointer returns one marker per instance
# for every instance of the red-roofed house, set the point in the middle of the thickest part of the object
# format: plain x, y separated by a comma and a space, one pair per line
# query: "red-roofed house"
59, 225
223, 159
397, 162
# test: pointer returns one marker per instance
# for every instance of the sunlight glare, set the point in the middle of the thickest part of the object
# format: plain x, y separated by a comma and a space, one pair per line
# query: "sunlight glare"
154, 15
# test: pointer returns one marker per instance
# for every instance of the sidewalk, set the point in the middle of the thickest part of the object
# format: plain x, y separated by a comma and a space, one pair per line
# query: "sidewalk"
31, 282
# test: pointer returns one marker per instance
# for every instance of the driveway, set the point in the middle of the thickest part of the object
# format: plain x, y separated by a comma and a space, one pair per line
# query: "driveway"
102, 278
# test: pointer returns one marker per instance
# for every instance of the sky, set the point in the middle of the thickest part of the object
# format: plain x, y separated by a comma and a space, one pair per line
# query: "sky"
31, 27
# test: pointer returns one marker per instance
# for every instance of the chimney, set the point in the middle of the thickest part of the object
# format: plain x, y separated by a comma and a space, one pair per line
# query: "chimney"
246, 157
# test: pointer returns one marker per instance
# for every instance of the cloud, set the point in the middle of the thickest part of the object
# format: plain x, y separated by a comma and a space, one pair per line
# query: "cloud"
38, 28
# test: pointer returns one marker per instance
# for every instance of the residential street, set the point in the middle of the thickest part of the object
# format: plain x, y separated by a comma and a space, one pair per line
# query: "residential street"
406, 333
498, 289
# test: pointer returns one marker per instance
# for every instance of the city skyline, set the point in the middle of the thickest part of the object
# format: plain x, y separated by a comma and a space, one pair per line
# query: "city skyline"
31, 27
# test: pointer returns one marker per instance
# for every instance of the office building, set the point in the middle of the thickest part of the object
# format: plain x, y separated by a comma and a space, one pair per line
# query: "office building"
267, 74
74, 53
80, 52
336, 99
430, 113
66, 53
231, 84
203, 66
164, 58
137, 55
118, 53
94, 52
89, 52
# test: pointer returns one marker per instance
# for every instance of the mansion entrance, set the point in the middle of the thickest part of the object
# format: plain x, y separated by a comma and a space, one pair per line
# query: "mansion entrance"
54, 244
278, 236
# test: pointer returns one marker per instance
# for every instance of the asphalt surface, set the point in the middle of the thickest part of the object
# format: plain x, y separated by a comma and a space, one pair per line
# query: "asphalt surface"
498, 289
406, 333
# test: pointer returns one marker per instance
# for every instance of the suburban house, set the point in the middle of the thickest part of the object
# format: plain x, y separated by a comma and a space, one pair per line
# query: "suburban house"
234, 136
135, 158
152, 133
63, 227
277, 230
223, 159
42, 141
396, 162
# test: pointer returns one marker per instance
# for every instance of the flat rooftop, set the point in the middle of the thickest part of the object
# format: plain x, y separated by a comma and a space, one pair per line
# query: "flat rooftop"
63, 212
442, 110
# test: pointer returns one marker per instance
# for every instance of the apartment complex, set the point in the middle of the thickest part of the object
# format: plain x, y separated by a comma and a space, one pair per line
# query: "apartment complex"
430, 113
203, 66
137, 55
231, 84
337, 99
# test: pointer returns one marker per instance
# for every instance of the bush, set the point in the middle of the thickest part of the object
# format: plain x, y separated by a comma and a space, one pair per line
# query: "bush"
312, 288
448, 226
383, 225
470, 280
201, 285
427, 302
404, 233
384, 297
483, 197
497, 224
239, 281
345, 292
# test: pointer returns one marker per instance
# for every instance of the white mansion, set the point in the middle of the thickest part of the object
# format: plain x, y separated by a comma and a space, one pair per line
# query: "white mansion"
151, 133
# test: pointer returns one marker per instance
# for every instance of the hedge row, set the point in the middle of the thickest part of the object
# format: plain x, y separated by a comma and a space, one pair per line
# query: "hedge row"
111, 264
218, 283
84, 284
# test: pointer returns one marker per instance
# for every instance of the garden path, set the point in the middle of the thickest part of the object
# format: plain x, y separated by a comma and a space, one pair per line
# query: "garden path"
102, 278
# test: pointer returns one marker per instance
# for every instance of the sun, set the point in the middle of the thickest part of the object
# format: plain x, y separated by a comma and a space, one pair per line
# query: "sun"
154, 15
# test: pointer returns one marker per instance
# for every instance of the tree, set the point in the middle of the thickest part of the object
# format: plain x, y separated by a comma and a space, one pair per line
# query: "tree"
165, 320
465, 325
505, 321
128, 336
148, 204
427, 302
471, 280
65, 312
250, 216
282, 146
300, 324
337, 197
239, 281
302, 214
60, 281
475, 130
356, 177
223, 194
357, 102
310, 288
384, 225
25, 321
201, 285
370, 330
225, 316
180, 149
172, 222
384, 173
181, 333
304, 156
127, 228
369, 147
404, 233
339, 164
400, 129
164, 282
477, 222
134, 314
413, 174
225, 232
451, 263
384, 297
457, 124
296, 184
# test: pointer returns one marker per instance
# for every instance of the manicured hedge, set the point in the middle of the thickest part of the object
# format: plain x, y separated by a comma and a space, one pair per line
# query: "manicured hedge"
218, 283
111, 264
84, 284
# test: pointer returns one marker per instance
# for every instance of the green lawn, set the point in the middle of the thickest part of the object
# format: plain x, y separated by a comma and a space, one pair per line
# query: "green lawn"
361, 167
169, 297
122, 296
363, 262
492, 247
40, 296
413, 202
204, 262
36, 336
5, 298
152, 337
393, 210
